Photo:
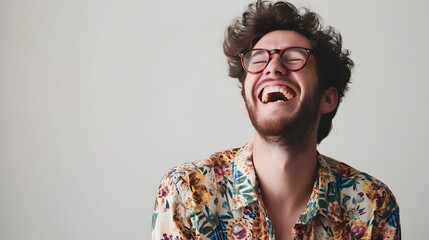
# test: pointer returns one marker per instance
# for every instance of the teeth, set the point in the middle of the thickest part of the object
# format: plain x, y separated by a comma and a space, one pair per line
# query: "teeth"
271, 89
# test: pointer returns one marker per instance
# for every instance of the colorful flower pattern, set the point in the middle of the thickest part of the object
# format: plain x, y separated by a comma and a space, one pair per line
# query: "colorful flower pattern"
219, 198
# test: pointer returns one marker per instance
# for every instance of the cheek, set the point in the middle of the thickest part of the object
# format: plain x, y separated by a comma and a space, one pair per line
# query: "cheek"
247, 87
247, 91
312, 74
310, 80
250, 81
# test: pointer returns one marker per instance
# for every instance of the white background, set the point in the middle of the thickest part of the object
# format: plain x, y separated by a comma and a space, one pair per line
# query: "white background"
99, 98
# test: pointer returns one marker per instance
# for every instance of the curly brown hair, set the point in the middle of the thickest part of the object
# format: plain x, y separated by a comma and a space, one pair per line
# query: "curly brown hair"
262, 17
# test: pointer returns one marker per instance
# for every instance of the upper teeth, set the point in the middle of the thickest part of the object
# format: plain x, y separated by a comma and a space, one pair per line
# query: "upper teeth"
271, 89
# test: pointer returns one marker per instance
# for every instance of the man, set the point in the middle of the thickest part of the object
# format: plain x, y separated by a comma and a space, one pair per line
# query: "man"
293, 74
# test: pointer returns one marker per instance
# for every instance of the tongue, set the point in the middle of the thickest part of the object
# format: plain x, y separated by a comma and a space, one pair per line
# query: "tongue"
275, 96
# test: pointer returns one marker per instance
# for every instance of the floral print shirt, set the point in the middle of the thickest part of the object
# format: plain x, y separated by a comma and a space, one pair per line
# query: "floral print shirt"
219, 198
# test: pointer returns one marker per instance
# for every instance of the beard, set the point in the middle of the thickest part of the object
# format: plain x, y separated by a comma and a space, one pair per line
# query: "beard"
292, 132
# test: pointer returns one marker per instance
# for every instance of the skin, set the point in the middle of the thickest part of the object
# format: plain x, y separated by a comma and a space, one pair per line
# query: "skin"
286, 167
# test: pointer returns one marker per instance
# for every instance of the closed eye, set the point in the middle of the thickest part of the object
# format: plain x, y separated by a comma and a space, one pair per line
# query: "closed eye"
259, 62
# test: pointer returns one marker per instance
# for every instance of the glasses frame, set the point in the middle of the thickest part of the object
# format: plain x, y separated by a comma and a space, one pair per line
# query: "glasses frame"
271, 53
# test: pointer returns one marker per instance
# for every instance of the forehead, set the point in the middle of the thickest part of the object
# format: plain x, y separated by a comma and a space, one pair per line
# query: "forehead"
281, 39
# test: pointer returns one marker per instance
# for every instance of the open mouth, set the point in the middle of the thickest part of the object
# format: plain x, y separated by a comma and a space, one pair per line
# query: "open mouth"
272, 94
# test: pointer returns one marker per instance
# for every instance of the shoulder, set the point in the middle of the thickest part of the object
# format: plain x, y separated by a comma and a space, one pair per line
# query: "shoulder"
217, 160
363, 196
349, 176
193, 184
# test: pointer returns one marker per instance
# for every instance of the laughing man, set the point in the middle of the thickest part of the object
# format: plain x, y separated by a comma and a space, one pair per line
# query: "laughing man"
293, 74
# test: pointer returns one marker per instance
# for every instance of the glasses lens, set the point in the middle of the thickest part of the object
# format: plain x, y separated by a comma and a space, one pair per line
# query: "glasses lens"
256, 60
294, 58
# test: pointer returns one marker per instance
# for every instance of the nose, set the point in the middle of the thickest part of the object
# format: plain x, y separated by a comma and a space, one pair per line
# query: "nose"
275, 67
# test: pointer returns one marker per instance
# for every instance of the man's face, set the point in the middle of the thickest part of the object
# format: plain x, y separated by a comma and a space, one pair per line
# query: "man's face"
292, 120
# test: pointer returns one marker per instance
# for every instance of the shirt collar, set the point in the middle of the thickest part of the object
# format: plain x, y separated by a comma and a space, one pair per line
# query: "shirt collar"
245, 186
324, 200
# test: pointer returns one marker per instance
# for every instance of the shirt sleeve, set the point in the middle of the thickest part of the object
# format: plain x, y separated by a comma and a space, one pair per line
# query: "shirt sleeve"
169, 220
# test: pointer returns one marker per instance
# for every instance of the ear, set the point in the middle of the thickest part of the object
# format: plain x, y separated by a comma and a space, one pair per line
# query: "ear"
329, 100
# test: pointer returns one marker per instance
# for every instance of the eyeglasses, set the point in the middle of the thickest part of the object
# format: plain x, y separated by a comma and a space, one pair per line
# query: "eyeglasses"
292, 58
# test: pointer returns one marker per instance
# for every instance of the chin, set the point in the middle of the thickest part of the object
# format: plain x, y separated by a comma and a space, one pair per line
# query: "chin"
271, 127
292, 130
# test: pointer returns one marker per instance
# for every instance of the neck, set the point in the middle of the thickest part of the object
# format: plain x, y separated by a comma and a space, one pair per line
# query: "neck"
285, 173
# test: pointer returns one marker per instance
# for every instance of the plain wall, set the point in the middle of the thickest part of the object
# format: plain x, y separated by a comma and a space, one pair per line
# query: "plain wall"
99, 98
